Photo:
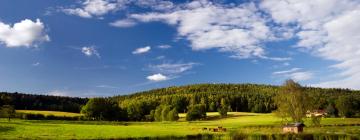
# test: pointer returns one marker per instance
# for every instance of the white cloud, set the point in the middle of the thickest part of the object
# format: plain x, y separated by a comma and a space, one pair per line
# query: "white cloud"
90, 51
123, 23
157, 77
142, 50
24, 33
172, 68
238, 29
296, 74
91, 8
329, 29
164, 46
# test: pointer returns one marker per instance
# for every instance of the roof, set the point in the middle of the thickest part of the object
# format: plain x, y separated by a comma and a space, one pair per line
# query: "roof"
297, 124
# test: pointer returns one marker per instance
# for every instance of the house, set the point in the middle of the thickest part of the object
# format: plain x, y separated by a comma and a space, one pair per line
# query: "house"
316, 113
293, 128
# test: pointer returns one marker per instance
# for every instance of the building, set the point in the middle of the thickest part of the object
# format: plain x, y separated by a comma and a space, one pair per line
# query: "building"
316, 113
293, 128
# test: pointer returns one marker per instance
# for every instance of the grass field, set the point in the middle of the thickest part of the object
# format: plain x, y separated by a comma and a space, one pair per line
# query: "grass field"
236, 122
55, 113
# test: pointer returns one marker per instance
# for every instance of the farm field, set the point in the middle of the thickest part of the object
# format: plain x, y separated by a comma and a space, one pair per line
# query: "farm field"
246, 123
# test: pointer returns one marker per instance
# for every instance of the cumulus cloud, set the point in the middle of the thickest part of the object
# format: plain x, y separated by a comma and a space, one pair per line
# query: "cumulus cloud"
157, 77
329, 29
296, 74
123, 23
90, 51
142, 50
25, 33
91, 8
239, 29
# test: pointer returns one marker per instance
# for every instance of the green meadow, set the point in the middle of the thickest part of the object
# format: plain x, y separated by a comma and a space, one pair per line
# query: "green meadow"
236, 122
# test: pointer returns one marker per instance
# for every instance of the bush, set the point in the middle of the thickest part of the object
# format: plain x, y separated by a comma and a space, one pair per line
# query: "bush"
196, 112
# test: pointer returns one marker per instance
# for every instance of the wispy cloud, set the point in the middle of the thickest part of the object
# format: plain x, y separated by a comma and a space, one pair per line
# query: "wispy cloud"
167, 71
297, 74
164, 46
123, 23
36, 64
107, 86
172, 68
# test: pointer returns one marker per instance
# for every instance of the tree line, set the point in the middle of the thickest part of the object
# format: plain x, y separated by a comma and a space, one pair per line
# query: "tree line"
22, 101
164, 104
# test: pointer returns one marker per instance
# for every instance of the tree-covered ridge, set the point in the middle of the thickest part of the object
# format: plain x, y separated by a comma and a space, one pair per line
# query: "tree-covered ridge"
239, 97
22, 101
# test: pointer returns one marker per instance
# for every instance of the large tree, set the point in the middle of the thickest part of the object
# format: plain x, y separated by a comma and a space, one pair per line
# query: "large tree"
7, 111
102, 109
292, 101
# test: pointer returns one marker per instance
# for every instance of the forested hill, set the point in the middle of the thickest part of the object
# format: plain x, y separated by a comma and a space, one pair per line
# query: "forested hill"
240, 97
42, 102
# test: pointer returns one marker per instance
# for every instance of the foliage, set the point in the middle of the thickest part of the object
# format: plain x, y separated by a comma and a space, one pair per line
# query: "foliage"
165, 113
196, 112
316, 120
102, 109
224, 108
345, 104
22, 101
331, 111
7, 111
292, 101
173, 115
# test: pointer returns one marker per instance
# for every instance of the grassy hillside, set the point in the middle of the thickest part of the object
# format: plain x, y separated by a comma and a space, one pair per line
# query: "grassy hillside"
237, 122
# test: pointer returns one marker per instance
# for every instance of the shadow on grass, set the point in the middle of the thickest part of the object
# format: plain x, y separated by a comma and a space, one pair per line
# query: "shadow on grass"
188, 137
6, 129
212, 118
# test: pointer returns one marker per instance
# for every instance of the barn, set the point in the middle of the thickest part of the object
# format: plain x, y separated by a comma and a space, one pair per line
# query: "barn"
294, 128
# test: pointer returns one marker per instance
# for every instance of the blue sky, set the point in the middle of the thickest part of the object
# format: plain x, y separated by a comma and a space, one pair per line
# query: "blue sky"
108, 47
